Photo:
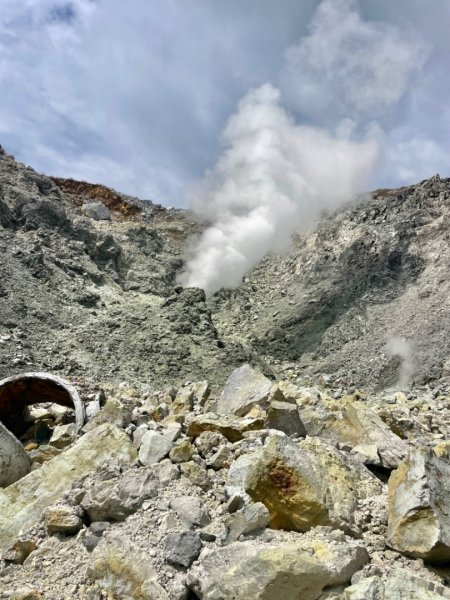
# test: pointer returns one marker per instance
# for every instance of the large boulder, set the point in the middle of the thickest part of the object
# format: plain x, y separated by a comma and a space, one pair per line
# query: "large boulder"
14, 461
244, 389
233, 428
348, 422
419, 505
304, 485
116, 499
23, 503
396, 587
119, 569
288, 569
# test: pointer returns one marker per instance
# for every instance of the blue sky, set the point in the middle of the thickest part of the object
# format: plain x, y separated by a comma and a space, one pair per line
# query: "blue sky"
136, 94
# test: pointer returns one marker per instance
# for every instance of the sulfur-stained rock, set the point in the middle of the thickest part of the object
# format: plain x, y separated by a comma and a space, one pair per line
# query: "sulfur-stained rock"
20, 550
291, 570
63, 518
181, 452
244, 389
22, 504
113, 412
117, 568
231, 427
346, 421
395, 587
63, 436
196, 474
26, 594
304, 485
44, 453
419, 505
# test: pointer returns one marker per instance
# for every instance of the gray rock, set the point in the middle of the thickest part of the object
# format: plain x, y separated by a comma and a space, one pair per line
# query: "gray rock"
182, 548
23, 503
117, 567
154, 447
250, 518
291, 570
14, 461
190, 511
209, 441
90, 542
97, 211
63, 435
138, 434
285, 417
244, 389
20, 551
98, 528
116, 499
222, 458
396, 587
165, 472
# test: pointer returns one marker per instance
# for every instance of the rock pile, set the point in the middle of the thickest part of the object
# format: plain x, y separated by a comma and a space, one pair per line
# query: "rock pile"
261, 491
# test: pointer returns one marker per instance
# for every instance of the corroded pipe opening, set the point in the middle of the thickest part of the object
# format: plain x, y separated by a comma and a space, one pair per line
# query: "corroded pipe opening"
20, 391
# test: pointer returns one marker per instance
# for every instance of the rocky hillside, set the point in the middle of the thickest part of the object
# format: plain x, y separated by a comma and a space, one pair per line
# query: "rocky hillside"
87, 289
93, 295
287, 439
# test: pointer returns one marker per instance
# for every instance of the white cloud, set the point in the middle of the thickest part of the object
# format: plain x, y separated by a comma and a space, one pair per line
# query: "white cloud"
134, 95
348, 66
274, 178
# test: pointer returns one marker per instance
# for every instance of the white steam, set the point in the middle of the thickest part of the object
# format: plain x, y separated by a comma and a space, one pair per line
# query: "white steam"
404, 351
275, 176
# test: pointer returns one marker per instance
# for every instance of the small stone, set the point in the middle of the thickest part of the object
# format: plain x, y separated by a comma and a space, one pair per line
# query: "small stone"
97, 211
154, 447
222, 458
90, 542
196, 474
63, 436
231, 427
182, 452
236, 502
285, 417
168, 522
138, 434
98, 528
209, 441
44, 453
190, 511
20, 551
63, 518
182, 548
252, 517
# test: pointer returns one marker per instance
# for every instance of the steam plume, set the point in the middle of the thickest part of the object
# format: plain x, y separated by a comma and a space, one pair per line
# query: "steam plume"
400, 347
276, 176
273, 178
